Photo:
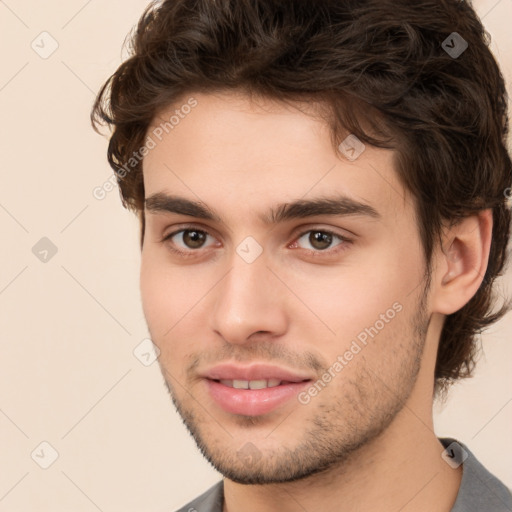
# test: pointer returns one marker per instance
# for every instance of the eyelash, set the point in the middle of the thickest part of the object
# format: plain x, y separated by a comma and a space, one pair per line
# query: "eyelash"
315, 253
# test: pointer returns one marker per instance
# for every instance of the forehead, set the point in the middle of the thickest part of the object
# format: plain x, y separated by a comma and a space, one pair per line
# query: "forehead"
226, 149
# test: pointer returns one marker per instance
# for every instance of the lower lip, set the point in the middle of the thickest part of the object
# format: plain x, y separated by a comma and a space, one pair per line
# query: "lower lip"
253, 402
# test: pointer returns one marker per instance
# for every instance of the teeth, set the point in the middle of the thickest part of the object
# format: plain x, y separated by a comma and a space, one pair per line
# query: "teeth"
241, 384
251, 384
257, 384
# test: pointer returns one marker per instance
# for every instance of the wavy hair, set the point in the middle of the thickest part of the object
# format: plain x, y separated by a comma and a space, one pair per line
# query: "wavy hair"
383, 70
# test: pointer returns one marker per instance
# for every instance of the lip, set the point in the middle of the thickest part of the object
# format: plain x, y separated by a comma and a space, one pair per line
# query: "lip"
255, 371
253, 402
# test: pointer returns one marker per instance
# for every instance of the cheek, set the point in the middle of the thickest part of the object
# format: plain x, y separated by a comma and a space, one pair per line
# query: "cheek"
151, 290
171, 301
348, 297
160, 299
162, 307
368, 296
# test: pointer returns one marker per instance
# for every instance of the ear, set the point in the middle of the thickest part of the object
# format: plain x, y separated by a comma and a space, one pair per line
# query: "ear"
461, 262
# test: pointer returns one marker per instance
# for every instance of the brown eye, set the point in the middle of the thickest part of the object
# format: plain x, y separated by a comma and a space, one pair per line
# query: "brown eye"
320, 239
193, 239
187, 239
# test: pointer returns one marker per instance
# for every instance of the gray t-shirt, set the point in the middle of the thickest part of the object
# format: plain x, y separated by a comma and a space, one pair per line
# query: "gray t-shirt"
479, 489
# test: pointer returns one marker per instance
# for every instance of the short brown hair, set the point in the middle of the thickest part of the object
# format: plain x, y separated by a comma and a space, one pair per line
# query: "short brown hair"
379, 64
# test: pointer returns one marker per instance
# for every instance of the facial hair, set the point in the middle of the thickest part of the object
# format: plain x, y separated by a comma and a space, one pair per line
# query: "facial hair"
365, 407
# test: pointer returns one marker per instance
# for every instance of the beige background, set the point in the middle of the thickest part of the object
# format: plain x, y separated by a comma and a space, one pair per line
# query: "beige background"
69, 326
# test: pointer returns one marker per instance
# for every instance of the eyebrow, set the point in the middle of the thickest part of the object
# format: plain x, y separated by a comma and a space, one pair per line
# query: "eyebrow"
299, 209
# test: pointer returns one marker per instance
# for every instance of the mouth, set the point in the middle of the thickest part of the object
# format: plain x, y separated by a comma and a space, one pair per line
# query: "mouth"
254, 389
255, 384
253, 397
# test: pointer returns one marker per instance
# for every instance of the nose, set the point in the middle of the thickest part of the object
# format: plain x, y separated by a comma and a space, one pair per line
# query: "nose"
248, 300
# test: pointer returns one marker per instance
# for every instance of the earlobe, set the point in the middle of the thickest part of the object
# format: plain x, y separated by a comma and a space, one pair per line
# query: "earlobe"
462, 262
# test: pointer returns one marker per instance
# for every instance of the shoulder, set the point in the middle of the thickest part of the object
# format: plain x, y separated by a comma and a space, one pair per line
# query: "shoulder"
210, 501
479, 488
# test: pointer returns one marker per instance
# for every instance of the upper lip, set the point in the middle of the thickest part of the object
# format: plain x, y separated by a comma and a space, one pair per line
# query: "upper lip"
256, 371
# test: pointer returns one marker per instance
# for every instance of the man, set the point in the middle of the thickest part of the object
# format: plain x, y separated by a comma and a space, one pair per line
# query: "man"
321, 190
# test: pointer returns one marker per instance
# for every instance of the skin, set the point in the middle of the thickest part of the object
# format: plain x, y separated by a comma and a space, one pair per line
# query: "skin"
366, 441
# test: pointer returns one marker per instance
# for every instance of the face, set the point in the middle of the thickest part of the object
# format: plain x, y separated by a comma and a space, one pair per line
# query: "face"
322, 297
